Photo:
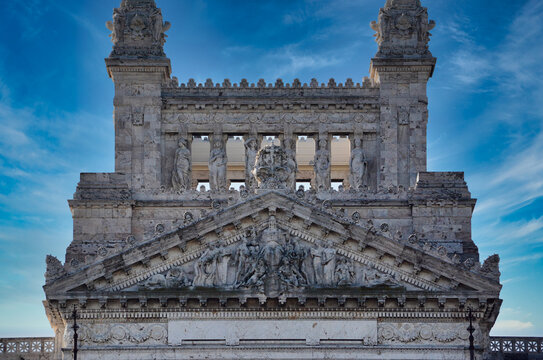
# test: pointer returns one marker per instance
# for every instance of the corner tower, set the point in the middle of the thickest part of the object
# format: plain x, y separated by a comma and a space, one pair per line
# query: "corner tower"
401, 68
139, 68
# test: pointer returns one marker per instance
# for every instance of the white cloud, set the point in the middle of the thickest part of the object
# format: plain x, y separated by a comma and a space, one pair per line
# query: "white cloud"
515, 182
522, 259
510, 326
470, 67
295, 62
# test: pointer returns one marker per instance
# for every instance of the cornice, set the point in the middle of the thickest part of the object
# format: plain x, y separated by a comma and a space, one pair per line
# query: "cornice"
237, 314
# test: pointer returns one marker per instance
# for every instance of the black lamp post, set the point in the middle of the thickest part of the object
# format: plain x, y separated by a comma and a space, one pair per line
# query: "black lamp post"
471, 330
75, 327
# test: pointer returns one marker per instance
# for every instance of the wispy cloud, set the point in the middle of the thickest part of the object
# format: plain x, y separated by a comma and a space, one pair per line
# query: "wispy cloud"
470, 67
41, 152
293, 62
511, 326
522, 259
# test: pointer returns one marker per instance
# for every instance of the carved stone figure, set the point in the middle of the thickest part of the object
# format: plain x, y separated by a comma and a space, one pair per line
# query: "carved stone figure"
491, 267
358, 166
157, 281
322, 166
176, 278
251, 152
246, 256
223, 257
292, 165
290, 274
242, 264
344, 274
217, 165
116, 27
324, 265
291, 270
205, 269
371, 277
272, 170
159, 27
272, 251
316, 254
54, 268
256, 277
181, 179
379, 27
328, 265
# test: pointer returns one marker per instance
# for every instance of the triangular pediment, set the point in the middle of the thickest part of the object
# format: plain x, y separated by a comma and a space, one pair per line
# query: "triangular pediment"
270, 244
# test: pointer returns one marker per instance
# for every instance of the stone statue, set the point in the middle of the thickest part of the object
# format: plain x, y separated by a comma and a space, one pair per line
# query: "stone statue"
292, 165
176, 278
358, 166
181, 179
251, 152
54, 268
116, 27
217, 165
322, 166
205, 269
491, 267
328, 265
242, 264
289, 273
344, 274
157, 281
223, 257
379, 27
256, 277
291, 270
159, 27
246, 256
316, 254
272, 251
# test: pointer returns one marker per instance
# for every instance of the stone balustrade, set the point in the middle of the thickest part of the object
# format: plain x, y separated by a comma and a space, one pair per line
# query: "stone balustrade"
27, 348
510, 347
506, 347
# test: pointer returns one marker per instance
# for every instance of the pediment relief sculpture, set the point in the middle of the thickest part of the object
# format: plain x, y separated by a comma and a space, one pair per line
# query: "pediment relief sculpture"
270, 261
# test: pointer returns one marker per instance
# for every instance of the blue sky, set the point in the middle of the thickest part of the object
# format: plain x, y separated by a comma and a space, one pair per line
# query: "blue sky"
56, 108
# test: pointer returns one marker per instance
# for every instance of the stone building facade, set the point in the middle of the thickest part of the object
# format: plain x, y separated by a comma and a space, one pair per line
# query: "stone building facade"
277, 221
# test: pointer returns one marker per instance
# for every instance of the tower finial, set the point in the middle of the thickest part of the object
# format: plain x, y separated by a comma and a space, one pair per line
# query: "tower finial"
403, 30
138, 30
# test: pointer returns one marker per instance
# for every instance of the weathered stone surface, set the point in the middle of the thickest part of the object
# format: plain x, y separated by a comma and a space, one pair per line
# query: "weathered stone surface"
272, 220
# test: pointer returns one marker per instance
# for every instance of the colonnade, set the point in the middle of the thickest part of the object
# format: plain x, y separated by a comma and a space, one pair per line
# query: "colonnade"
321, 180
